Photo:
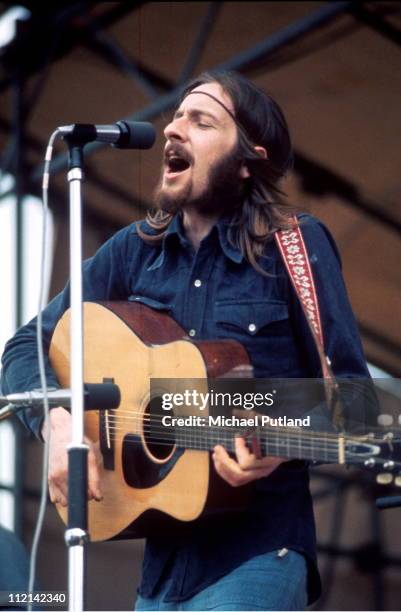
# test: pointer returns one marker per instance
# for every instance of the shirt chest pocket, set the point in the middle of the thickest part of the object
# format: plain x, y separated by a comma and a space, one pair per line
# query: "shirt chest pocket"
250, 318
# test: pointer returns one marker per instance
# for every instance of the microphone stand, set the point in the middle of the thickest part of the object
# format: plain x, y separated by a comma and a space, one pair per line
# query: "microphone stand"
123, 134
76, 535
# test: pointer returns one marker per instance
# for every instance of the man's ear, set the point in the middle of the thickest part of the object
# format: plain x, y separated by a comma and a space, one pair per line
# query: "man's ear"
244, 172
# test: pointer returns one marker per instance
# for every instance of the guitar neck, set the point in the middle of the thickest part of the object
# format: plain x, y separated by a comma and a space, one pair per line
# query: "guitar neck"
279, 442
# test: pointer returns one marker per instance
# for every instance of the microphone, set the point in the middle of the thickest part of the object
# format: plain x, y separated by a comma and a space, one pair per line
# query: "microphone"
123, 134
97, 396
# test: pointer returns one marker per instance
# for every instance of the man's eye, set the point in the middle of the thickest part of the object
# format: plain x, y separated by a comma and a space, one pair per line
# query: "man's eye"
203, 125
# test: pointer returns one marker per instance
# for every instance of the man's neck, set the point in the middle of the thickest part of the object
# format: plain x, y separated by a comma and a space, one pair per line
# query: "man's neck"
197, 225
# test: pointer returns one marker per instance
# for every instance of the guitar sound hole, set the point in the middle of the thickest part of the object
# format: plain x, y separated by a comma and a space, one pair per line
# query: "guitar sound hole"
159, 439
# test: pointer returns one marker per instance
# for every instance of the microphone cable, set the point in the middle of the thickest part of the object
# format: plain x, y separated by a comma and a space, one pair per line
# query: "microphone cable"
41, 364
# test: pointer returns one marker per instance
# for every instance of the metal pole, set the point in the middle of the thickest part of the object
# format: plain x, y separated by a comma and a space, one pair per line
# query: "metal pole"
75, 176
76, 535
200, 41
19, 453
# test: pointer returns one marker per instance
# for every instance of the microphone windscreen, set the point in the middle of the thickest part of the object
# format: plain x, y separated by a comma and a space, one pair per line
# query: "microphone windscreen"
102, 396
136, 135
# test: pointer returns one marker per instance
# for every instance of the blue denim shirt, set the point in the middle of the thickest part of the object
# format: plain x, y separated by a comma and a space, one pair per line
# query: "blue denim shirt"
232, 300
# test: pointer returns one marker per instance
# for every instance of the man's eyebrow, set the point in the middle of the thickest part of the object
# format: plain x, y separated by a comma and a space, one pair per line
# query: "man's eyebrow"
193, 112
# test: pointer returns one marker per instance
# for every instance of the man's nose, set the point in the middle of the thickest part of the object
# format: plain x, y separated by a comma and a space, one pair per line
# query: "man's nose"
175, 130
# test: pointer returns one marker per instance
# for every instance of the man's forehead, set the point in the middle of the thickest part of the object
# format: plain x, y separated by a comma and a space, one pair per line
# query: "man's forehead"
210, 99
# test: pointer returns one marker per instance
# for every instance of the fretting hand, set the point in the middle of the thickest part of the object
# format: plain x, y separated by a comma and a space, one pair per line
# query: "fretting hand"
247, 466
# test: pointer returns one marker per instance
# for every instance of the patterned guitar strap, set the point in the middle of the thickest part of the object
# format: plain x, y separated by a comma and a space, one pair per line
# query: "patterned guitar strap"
295, 256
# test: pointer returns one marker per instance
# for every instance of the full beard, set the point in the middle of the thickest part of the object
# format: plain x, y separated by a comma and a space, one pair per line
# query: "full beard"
224, 190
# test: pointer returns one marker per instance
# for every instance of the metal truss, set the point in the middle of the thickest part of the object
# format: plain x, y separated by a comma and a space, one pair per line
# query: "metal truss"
247, 61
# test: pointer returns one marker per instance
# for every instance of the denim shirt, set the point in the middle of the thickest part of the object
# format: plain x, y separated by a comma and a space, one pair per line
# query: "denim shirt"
215, 293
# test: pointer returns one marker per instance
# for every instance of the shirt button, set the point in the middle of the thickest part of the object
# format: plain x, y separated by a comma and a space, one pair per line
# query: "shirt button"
192, 332
252, 327
198, 283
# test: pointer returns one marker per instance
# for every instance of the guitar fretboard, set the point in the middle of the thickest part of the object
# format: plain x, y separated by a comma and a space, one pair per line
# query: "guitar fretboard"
279, 442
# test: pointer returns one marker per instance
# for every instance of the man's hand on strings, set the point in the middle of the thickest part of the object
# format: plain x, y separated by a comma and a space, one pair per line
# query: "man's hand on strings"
248, 465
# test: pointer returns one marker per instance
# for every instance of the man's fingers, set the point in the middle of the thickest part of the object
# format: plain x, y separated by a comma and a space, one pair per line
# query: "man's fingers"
93, 472
250, 460
58, 482
247, 468
246, 459
234, 475
59, 435
228, 468
57, 496
58, 477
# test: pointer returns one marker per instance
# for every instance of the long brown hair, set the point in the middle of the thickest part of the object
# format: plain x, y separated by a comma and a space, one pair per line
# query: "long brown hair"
263, 209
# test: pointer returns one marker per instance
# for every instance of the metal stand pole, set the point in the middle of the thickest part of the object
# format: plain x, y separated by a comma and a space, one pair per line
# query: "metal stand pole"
76, 535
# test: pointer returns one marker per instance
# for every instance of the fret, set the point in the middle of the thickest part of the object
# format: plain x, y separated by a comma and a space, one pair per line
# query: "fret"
341, 449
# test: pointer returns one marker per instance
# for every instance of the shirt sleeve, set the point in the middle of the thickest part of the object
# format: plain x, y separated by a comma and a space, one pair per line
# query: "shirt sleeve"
104, 278
342, 343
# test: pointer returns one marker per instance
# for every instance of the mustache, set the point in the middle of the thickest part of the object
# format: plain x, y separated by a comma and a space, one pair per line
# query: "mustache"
178, 150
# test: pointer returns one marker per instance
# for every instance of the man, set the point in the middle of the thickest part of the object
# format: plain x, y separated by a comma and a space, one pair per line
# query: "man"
208, 258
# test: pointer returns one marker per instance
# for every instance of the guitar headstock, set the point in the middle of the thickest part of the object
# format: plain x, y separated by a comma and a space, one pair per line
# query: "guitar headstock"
379, 453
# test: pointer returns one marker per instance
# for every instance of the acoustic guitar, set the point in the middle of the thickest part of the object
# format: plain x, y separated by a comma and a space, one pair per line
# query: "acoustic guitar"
150, 475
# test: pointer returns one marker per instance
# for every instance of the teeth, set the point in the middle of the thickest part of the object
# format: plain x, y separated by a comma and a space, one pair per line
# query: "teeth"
174, 155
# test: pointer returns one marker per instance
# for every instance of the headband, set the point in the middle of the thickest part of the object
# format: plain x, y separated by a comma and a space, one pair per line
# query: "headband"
218, 102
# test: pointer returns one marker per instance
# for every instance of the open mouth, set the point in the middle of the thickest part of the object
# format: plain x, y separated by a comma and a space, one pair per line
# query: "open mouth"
176, 161
175, 165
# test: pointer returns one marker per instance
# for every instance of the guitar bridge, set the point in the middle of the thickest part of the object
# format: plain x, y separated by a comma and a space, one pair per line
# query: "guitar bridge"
106, 434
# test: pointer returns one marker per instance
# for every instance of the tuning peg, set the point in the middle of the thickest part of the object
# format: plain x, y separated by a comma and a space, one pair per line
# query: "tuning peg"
385, 420
384, 478
388, 465
397, 481
369, 463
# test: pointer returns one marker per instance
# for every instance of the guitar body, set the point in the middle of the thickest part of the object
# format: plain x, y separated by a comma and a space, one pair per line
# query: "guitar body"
145, 484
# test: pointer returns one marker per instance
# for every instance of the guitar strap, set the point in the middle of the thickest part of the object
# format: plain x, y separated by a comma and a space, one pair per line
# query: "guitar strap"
295, 256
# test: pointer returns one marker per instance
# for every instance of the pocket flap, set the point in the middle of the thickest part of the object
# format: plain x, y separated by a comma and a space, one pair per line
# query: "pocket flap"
143, 299
250, 316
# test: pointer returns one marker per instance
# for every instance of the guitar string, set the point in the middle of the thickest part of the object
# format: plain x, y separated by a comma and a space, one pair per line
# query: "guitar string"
217, 430
136, 416
200, 430
171, 439
317, 444
118, 421
194, 438
267, 434
204, 444
328, 453
129, 414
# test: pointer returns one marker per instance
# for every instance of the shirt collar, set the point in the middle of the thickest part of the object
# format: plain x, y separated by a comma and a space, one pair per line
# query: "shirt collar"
176, 231
230, 251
